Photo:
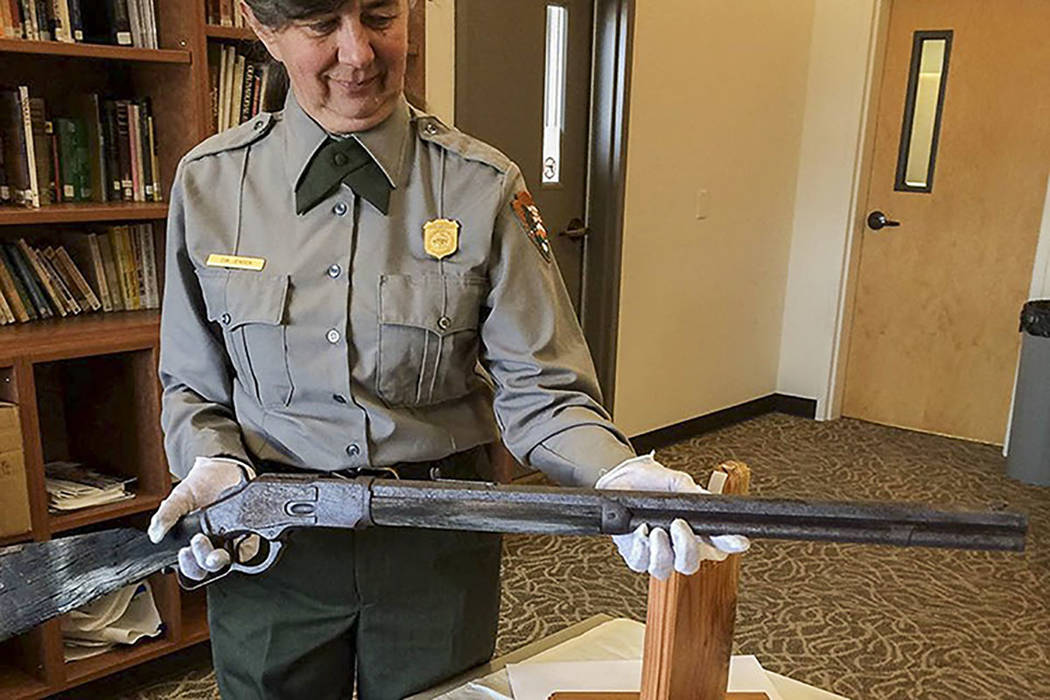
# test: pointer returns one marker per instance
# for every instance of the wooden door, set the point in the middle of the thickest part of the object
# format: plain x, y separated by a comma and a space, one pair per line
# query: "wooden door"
934, 339
501, 98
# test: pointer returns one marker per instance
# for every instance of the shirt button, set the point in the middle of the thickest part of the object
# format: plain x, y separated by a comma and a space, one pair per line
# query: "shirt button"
338, 399
334, 270
429, 129
258, 125
226, 319
340, 209
353, 449
332, 335
444, 322
339, 158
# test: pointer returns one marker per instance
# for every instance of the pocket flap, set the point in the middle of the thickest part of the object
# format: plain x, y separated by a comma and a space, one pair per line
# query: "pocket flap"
420, 301
236, 297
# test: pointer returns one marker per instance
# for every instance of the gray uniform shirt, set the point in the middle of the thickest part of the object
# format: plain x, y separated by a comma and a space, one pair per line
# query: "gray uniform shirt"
352, 346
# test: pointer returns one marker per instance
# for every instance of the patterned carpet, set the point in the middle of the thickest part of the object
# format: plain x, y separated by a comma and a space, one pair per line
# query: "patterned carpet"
861, 621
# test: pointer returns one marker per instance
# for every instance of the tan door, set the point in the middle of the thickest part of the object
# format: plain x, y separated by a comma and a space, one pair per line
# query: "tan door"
934, 339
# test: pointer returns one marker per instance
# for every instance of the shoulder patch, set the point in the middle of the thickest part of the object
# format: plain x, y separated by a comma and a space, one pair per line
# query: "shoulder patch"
237, 137
430, 128
529, 216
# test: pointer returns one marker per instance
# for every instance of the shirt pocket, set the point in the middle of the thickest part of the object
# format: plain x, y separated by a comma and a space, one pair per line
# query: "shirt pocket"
250, 308
428, 337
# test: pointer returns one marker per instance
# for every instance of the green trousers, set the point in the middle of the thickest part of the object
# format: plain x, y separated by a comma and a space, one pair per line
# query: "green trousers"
399, 608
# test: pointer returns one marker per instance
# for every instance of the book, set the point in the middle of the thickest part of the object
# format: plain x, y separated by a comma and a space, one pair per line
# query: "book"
135, 152
18, 265
86, 296
5, 191
43, 20
126, 267
114, 180
123, 138
76, 20
16, 155
46, 258
15, 296
148, 259
72, 486
43, 277
85, 107
97, 272
154, 157
6, 316
74, 160
30, 149
145, 152
112, 273
62, 24
119, 22
41, 128
135, 22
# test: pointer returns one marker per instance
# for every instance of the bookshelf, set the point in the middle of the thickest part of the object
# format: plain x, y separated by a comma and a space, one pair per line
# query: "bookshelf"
86, 385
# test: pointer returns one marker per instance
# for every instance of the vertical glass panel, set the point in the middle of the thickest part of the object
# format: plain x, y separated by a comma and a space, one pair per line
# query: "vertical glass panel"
554, 92
922, 112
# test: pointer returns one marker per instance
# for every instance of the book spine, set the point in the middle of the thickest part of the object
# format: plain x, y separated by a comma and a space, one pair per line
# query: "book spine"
42, 150
158, 196
42, 277
246, 91
43, 19
120, 22
145, 151
15, 158
57, 180
124, 151
5, 20
27, 126
5, 190
135, 22
86, 292
113, 184
99, 272
9, 257
60, 10
124, 265
63, 285
21, 267
17, 31
13, 294
135, 134
149, 266
76, 20
136, 257
65, 180
6, 315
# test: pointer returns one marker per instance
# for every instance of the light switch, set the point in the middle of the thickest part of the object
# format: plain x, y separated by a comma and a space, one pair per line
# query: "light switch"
703, 204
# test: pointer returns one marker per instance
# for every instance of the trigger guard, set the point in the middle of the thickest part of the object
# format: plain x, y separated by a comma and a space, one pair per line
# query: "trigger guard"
275, 547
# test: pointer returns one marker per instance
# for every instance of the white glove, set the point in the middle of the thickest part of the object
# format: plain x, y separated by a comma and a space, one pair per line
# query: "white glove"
656, 551
207, 480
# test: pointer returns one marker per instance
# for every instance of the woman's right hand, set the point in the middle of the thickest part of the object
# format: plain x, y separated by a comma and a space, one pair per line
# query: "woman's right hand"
207, 480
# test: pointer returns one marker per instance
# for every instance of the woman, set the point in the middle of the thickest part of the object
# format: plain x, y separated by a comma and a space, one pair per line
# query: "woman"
352, 284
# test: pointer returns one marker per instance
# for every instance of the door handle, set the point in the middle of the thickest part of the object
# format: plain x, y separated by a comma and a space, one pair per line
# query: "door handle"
878, 220
575, 230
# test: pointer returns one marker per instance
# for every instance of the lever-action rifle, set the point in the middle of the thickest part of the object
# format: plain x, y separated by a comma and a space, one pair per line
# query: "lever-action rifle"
41, 580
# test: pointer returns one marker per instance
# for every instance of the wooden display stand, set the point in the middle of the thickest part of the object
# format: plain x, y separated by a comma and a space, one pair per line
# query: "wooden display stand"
689, 628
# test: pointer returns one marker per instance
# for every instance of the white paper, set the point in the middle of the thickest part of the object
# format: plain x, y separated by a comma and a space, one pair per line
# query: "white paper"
536, 681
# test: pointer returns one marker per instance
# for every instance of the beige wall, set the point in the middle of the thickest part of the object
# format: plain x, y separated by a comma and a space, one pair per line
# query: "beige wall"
441, 59
718, 94
829, 183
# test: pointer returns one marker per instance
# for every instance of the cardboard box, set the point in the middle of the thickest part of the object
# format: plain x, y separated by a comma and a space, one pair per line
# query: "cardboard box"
14, 498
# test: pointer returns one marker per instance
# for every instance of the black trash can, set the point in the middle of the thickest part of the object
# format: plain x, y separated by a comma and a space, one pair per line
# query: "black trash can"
1029, 455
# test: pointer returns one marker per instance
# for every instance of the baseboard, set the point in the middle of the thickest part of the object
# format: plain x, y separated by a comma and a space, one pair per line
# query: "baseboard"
780, 403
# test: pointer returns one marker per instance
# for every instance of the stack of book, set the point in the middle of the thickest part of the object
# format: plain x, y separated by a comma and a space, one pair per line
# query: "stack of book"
113, 270
238, 85
102, 150
225, 13
72, 486
119, 22
124, 616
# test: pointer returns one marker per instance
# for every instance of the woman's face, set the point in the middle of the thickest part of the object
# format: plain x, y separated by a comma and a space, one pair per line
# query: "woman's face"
347, 67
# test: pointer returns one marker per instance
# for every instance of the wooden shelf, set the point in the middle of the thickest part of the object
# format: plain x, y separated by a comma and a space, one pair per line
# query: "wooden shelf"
8, 540
102, 51
215, 31
78, 336
75, 213
78, 672
61, 522
15, 683
194, 617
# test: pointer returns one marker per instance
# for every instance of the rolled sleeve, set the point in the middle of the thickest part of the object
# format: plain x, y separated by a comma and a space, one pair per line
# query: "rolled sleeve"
197, 414
535, 352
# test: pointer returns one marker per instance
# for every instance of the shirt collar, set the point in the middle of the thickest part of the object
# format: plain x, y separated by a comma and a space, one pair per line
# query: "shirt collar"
385, 142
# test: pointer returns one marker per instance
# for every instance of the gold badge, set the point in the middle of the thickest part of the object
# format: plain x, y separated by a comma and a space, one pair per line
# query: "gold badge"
237, 262
440, 237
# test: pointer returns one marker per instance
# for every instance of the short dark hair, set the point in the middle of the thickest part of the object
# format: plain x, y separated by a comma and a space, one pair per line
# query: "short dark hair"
277, 14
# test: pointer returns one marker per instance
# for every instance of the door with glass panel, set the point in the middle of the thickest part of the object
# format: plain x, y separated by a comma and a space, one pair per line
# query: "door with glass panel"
523, 85
957, 185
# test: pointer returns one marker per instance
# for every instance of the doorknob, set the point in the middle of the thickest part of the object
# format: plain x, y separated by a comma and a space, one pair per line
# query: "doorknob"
877, 220
575, 230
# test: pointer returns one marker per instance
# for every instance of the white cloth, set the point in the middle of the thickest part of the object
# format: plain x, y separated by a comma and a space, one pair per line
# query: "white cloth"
658, 551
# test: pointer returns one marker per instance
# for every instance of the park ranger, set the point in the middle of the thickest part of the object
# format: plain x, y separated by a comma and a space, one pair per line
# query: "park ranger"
352, 284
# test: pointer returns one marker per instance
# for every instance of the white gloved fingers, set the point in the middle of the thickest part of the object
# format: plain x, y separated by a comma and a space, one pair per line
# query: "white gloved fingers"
188, 565
207, 556
634, 548
661, 556
168, 513
730, 544
709, 552
686, 545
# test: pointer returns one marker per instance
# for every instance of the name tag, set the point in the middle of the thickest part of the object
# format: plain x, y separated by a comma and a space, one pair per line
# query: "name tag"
238, 262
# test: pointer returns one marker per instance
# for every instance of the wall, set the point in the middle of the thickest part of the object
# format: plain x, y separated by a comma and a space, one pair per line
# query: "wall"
829, 182
718, 95
441, 59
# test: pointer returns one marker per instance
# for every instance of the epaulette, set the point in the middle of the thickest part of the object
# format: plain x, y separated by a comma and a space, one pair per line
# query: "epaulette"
237, 137
430, 128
